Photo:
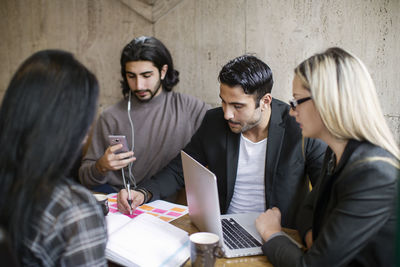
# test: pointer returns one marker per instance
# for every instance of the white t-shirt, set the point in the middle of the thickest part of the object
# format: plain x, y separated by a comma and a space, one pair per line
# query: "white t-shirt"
249, 191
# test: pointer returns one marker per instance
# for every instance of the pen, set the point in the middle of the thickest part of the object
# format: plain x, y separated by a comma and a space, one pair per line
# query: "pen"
129, 197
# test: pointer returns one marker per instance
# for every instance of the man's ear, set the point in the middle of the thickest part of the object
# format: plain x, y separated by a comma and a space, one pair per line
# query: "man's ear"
265, 101
164, 70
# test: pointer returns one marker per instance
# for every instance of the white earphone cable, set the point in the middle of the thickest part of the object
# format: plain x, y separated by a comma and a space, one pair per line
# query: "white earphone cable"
131, 176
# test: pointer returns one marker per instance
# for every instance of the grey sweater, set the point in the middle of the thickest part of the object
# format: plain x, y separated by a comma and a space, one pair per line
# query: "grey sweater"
162, 127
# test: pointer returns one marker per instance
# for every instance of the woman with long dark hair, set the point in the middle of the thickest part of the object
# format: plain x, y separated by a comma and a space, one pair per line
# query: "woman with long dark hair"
45, 115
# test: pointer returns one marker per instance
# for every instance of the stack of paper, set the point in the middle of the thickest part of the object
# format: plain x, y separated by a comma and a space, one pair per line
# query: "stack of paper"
145, 241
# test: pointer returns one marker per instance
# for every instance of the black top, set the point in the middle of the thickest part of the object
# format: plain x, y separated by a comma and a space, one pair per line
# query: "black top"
351, 212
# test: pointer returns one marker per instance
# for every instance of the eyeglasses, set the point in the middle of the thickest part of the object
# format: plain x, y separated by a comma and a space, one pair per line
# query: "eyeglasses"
295, 102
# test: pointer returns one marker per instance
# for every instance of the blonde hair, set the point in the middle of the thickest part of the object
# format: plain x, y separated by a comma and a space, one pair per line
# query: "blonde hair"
345, 96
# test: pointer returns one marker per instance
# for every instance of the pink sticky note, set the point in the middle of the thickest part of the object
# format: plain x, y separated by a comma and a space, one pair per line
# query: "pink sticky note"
130, 216
113, 205
175, 214
112, 210
159, 211
137, 212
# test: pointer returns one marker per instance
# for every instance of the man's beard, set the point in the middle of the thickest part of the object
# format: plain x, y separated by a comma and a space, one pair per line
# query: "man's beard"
152, 94
248, 125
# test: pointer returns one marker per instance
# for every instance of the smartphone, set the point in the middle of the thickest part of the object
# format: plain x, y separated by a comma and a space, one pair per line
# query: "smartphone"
119, 139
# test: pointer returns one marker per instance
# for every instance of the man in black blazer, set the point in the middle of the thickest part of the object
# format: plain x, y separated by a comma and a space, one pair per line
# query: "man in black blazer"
251, 144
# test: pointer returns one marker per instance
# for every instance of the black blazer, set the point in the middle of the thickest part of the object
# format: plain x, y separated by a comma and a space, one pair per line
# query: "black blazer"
290, 158
351, 212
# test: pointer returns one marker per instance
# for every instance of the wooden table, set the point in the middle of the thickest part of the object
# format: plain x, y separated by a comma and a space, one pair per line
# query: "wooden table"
185, 224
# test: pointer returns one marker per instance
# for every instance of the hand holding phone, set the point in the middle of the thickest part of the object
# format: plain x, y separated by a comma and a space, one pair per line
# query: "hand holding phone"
119, 139
111, 160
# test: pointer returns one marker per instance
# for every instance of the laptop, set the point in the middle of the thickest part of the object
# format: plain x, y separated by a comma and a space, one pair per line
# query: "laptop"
204, 212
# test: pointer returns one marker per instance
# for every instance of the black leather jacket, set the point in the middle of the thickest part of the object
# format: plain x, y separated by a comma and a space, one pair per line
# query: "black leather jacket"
351, 212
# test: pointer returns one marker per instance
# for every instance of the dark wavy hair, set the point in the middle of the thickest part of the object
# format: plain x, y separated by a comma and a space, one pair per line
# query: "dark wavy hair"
252, 74
148, 49
46, 112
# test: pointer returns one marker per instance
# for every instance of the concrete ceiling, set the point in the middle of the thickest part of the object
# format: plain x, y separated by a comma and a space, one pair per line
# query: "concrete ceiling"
151, 10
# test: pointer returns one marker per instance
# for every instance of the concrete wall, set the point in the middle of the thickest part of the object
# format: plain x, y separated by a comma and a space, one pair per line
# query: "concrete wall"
203, 35
94, 30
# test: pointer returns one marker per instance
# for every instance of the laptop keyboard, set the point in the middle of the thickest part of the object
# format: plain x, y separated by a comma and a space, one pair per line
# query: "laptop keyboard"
236, 237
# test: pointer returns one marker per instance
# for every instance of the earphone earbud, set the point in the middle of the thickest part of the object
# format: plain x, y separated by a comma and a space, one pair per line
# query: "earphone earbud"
129, 101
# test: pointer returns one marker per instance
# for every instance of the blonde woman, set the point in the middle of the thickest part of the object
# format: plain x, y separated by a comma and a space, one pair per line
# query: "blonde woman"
349, 218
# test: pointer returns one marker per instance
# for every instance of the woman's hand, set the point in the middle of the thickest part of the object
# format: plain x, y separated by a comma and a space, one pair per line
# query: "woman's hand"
269, 223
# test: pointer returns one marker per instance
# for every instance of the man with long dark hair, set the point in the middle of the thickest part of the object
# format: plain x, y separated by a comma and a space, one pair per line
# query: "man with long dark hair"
156, 121
45, 115
251, 144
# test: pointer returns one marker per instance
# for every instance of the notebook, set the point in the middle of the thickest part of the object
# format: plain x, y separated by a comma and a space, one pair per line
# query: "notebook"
204, 212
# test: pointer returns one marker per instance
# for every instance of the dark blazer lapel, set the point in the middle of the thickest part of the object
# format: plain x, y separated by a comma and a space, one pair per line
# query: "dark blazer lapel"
232, 158
327, 183
276, 132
